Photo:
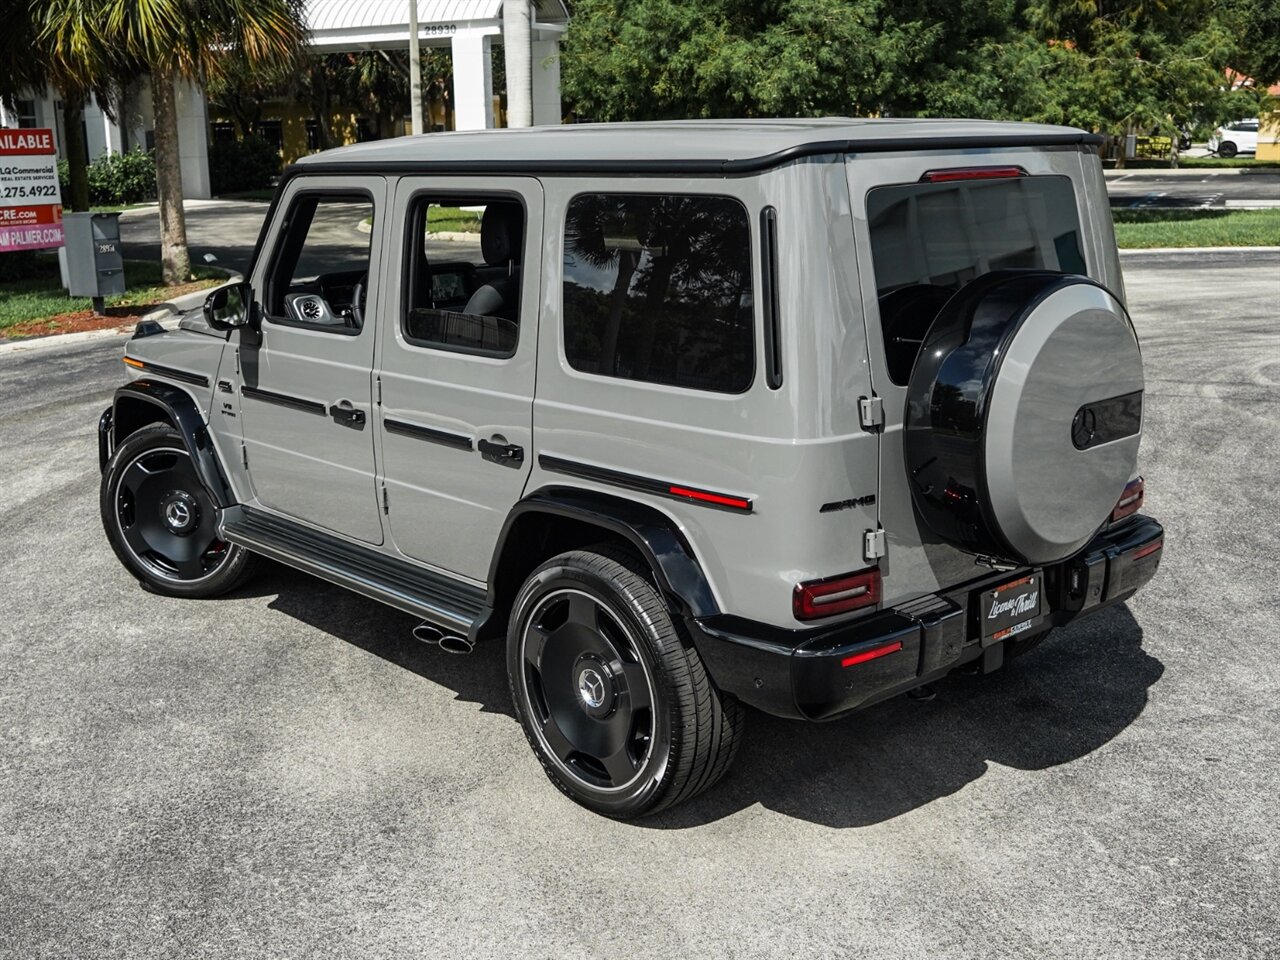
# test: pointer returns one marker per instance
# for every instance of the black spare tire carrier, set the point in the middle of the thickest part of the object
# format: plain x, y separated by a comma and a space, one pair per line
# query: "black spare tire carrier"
1024, 413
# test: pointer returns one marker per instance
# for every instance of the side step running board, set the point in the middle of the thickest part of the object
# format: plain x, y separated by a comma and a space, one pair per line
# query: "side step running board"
452, 604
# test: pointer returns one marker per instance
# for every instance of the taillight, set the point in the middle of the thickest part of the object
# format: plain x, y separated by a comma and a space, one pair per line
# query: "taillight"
826, 598
1130, 501
972, 173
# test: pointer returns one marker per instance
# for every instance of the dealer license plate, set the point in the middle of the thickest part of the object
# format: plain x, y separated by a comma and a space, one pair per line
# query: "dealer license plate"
1012, 608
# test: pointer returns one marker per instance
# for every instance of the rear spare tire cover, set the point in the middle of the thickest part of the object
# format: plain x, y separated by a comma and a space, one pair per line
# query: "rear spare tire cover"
1024, 413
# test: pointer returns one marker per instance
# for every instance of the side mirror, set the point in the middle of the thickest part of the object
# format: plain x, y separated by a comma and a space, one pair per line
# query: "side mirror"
228, 307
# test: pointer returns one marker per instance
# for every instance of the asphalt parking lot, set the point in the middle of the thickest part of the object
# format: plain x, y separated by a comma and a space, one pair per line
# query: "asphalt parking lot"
1242, 188
286, 773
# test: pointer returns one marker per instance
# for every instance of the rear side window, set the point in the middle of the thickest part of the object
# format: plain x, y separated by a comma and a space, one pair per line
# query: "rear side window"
930, 239
658, 288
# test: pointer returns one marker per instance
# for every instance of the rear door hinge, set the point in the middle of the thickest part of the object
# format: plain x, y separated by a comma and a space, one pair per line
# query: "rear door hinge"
386, 502
377, 383
871, 413
244, 455
873, 545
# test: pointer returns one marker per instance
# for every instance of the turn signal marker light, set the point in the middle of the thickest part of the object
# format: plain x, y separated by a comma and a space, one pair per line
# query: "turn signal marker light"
874, 653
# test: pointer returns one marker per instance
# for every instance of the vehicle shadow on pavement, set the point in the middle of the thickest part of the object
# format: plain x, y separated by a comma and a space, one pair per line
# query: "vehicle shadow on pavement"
385, 632
1058, 703
1082, 687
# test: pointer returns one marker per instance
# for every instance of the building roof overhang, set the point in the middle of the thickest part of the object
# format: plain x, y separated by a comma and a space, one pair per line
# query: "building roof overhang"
384, 24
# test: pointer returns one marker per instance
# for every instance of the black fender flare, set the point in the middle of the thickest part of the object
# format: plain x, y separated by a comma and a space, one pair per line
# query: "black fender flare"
180, 409
654, 535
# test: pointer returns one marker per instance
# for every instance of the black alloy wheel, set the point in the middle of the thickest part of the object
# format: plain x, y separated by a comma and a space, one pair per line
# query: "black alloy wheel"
161, 520
589, 690
617, 707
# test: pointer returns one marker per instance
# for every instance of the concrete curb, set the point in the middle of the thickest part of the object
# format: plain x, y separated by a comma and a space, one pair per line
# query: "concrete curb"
454, 236
167, 314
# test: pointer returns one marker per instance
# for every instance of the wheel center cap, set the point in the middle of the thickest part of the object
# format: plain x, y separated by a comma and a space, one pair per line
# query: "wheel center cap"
180, 512
591, 688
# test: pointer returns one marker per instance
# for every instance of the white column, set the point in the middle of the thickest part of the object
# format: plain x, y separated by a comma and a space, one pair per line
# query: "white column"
101, 133
193, 141
472, 80
546, 83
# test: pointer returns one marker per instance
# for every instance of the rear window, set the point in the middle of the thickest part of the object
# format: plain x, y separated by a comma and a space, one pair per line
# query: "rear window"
658, 288
930, 239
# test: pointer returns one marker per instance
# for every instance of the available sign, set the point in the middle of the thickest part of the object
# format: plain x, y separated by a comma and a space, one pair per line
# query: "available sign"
30, 201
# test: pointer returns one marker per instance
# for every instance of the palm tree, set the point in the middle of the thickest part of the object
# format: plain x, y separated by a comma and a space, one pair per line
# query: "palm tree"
33, 59
175, 40
517, 18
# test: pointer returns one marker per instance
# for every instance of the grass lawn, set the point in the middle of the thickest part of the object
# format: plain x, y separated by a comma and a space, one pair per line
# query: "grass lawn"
1198, 163
452, 220
446, 220
120, 207
1197, 228
40, 295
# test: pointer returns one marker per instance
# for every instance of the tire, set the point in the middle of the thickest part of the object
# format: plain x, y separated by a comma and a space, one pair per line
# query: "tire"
1227, 149
161, 521
617, 707
1024, 414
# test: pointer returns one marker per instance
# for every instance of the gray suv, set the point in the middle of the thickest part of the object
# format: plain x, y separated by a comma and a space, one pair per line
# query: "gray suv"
792, 415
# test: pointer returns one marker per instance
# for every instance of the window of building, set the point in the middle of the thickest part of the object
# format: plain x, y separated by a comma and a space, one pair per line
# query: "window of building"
658, 288
27, 117
223, 131
469, 300
313, 134
272, 131
364, 130
930, 239
319, 277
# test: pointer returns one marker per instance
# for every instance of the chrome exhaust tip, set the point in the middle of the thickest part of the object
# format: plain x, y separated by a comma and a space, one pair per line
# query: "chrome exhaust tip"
427, 633
450, 643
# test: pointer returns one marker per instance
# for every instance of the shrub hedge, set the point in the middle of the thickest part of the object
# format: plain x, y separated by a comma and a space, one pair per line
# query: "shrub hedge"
116, 178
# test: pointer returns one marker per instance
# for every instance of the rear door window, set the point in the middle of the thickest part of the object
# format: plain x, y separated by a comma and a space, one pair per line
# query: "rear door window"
657, 288
930, 239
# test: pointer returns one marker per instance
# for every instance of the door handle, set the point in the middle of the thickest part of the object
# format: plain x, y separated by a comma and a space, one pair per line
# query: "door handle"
498, 450
344, 411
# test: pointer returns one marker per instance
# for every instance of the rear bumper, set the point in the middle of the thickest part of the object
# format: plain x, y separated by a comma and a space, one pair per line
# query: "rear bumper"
818, 674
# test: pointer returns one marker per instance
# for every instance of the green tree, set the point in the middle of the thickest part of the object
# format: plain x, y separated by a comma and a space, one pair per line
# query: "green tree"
193, 40
33, 58
658, 59
1256, 26
663, 59
1128, 66
242, 91
1109, 65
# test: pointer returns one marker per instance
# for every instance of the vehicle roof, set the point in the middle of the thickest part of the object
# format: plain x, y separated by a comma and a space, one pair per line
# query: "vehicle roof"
678, 145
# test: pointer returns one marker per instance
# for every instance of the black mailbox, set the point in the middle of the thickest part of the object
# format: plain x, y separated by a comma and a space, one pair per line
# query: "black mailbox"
95, 264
